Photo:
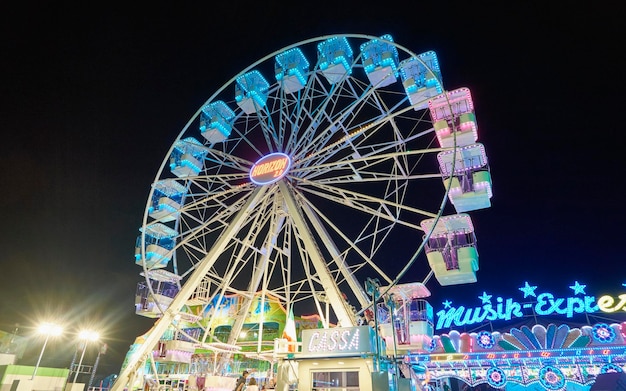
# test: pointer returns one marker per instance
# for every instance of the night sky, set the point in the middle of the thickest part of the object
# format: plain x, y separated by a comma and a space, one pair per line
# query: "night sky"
92, 99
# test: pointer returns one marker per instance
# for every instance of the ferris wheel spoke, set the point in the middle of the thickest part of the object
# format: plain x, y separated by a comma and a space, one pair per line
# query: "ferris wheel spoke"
374, 167
345, 120
375, 206
321, 119
356, 143
222, 159
312, 109
352, 245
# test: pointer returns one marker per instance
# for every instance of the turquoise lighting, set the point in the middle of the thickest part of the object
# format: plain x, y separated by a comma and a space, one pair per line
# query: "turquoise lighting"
421, 72
496, 377
217, 116
544, 304
335, 51
187, 158
158, 240
485, 298
603, 333
578, 289
421, 78
608, 368
250, 91
528, 290
292, 63
379, 54
551, 378
170, 189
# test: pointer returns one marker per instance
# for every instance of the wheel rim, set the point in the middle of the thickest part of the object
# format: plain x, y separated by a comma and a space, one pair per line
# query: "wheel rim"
355, 150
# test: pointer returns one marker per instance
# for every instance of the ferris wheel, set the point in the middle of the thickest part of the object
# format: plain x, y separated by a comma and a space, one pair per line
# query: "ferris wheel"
321, 165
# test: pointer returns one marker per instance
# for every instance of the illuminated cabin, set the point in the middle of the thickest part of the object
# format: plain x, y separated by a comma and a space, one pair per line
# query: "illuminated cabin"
216, 122
187, 158
167, 199
164, 285
412, 318
291, 70
380, 61
452, 114
451, 249
470, 186
159, 242
177, 345
335, 58
251, 92
421, 78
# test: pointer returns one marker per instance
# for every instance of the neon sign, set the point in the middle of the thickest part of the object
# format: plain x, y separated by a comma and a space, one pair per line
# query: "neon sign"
337, 340
559, 353
607, 303
544, 304
270, 168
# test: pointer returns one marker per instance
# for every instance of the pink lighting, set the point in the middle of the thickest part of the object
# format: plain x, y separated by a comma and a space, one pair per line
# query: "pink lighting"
454, 110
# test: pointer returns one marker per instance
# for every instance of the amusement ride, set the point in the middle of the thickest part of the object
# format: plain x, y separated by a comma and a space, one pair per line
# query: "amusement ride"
324, 185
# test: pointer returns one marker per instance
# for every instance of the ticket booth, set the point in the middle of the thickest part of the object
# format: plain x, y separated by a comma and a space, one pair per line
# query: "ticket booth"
339, 359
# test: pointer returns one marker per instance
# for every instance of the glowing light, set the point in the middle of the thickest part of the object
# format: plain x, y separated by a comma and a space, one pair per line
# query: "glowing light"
546, 304
251, 91
292, 70
216, 121
49, 330
577, 288
270, 168
528, 290
607, 303
603, 333
337, 340
485, 298
87, 336
335, 58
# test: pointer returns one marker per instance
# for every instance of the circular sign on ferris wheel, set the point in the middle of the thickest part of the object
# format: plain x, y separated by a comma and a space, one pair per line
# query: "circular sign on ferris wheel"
270, 168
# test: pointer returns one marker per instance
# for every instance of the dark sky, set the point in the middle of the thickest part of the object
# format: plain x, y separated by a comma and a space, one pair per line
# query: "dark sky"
92, 98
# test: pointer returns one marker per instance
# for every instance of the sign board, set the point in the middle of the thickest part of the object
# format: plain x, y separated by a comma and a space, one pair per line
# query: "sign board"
338, 341
270, 168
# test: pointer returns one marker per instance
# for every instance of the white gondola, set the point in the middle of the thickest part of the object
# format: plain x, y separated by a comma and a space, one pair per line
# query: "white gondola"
167, 199
453, 117
451, 249
291, 70
421, 78
411, 318
216, 122
187, 158
164, 286
251, 92
380, 61
470, 181
335, 58
158, 241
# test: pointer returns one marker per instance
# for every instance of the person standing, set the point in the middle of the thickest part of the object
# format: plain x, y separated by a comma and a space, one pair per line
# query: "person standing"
252, 385
241, 382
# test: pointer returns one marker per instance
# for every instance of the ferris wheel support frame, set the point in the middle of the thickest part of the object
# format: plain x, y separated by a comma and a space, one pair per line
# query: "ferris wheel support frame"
187, 289
344, 318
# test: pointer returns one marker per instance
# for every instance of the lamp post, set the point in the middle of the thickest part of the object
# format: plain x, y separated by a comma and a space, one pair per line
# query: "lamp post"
47, 329
86, 336
102, 350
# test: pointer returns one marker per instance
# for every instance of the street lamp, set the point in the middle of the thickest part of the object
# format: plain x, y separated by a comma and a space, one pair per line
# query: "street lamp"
47, 329
86, 336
